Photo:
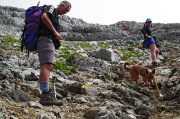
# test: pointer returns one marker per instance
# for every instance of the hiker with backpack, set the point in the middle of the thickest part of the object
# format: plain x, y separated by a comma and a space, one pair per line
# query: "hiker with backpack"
48, 41
150, 41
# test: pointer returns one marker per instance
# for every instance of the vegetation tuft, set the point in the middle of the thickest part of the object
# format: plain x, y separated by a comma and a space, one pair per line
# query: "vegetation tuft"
128, 54
10, 42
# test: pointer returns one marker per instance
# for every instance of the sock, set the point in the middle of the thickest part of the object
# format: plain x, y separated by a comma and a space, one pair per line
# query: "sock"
154, 61
45, 86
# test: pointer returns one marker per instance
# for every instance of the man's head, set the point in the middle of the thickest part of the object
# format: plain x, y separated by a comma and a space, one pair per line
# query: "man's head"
64, 7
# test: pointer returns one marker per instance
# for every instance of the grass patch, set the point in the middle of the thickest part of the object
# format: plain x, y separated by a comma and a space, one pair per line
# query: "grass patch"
83, 45
8, 42
134, 45
105, 45
172, 73
128, 54
69, 66
86, 45
67, 53
62, 66
73, 68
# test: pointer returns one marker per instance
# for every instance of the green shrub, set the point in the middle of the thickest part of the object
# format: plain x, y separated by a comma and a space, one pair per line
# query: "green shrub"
128, 54
86, 45
73, 68
1, 52
134, 44
105, 44
9, 41
62, 66
66, 52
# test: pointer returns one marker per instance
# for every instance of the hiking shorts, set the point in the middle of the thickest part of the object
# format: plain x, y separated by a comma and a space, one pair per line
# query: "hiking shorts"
147, 42
46, 50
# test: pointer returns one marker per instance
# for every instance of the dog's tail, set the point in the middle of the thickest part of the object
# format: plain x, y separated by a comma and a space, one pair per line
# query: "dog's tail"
126, 68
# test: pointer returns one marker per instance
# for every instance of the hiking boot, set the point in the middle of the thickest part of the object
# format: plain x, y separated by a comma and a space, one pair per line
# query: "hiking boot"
48, 98
155, 63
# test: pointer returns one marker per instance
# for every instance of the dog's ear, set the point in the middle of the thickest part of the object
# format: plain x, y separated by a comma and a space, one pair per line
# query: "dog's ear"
153, 71
147, 70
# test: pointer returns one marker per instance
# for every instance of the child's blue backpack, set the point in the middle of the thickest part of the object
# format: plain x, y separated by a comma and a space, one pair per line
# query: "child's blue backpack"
30, 31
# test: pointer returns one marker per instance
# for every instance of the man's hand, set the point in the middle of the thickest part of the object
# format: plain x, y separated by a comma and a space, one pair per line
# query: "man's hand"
58, 36
149, 36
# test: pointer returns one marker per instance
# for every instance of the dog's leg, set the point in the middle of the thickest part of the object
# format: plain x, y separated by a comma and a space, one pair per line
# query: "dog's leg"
131, 79
145, 81
155, 84
136, 77
136, 80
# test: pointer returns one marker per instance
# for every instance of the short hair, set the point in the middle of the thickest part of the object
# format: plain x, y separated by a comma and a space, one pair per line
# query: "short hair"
66, 4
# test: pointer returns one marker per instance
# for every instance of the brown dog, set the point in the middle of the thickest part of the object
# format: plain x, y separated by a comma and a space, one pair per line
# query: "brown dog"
145, 73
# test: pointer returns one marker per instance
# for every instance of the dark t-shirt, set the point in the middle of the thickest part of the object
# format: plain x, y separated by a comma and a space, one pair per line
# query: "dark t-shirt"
43, 30
146, 30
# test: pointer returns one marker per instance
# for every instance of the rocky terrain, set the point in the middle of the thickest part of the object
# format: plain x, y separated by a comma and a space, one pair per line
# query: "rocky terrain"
88, 72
